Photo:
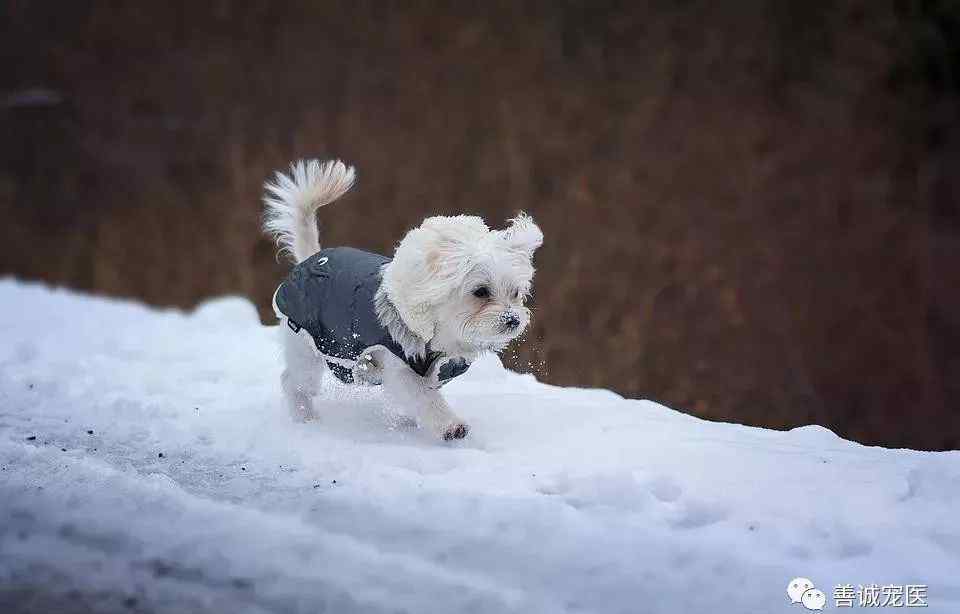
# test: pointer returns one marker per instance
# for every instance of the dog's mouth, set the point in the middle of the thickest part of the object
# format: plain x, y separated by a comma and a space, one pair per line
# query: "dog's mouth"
500, 336
512, 333
493, 332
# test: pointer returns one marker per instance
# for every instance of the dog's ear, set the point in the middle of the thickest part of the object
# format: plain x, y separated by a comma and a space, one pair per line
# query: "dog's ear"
429, 264
522, 234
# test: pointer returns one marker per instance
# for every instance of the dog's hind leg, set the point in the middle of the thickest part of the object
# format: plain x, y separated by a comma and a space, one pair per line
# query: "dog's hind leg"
301, 374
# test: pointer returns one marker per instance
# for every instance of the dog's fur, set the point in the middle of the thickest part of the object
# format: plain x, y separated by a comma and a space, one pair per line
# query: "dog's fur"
426, 294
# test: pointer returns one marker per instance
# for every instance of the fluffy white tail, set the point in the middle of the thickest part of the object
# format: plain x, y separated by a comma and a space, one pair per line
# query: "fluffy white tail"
292, 201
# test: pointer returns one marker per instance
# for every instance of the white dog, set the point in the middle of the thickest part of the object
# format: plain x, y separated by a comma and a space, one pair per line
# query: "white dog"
453, 290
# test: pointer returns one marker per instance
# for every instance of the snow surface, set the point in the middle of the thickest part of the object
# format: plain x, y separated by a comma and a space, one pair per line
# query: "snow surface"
561, 500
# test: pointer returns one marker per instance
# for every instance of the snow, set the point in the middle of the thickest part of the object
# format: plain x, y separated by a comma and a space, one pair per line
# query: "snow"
560, 500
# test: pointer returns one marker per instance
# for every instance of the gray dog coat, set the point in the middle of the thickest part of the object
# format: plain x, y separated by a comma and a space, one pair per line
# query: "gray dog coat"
331, 295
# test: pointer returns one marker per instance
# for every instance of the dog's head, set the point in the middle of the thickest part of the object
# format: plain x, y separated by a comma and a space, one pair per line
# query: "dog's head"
461, 286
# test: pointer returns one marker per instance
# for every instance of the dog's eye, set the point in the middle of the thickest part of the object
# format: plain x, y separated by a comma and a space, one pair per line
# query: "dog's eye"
482, 292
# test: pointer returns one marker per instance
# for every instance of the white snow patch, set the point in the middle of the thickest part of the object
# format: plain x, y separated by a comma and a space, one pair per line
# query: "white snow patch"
561, 500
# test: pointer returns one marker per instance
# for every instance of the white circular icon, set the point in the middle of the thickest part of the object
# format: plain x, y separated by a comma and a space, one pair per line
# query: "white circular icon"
813, 599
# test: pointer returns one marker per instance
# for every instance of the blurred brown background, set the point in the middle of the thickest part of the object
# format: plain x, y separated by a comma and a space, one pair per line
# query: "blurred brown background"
751, 207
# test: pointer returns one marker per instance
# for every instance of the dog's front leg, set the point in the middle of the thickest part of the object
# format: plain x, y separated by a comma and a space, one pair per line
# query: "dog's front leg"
403, 387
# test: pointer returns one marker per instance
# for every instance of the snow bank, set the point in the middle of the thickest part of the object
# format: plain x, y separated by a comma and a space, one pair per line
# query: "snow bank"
146, 464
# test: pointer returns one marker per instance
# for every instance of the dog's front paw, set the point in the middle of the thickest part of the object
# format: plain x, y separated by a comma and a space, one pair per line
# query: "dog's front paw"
369, 369
456, 431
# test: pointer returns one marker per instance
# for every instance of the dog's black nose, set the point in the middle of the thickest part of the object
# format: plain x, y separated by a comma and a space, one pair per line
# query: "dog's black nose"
511, 321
